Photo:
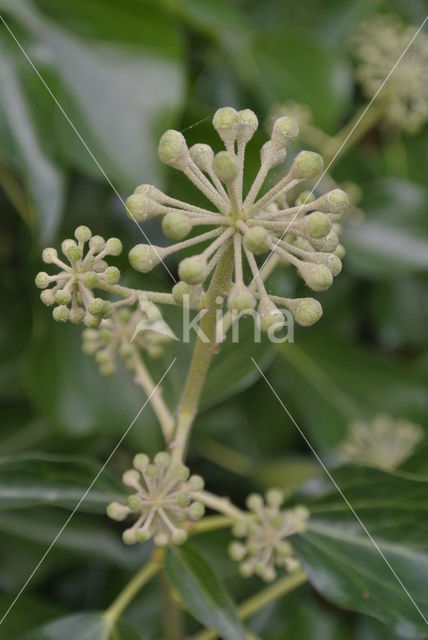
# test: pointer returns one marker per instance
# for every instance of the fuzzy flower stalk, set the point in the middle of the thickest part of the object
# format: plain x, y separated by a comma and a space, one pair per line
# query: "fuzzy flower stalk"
248, 223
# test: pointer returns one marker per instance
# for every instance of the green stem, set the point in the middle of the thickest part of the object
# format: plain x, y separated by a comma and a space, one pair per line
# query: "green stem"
211, 523
172, 619
205, 347
222, 505
126, 596
261, 600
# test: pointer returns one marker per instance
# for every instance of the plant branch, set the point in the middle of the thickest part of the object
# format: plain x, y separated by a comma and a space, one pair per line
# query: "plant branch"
222, 505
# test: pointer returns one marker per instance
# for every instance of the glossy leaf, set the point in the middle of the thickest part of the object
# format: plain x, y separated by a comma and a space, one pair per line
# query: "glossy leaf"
83, 626
343, 563
202, 592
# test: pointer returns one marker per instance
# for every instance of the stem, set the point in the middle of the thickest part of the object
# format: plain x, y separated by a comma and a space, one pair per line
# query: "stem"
222, 505
126, 596
172, 616
261, 600
163, 414
211, 523
205, 347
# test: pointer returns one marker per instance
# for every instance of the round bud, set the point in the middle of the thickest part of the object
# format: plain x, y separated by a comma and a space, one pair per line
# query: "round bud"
317, 224
334, 264
226, 123
302, 243
248, 124
237, 551
226, 166
61, 313
117, 511
241, 299
257, 240
317, 276
183, 500
162, 459
77, 315
96, 306
129, 536
270, 316
186, 294
172, 149
42, 280
179, 536
161, 539
196, 511
125, 350
49, 255
193, 270
254, 502
144, 257
73, 253
240, 529
338, 201
284, 130
142, 535
83, 234
91, 321
307, 311
90, 279
89, 335
274, 497
131, 478
176, 225
89, 348
66, 244
340, 251
328, 244
141, 461
246, 569
308, 164
181, 472
203, 156
271, 154
152, 471
112, 275
62, 297
153, 193
97, 243
107, 309
284, 549
306, 197
134, 502
196, 483
113, 247
136, 207
268, 574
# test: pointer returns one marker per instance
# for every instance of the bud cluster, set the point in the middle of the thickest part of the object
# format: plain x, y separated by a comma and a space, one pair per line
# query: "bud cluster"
264, 545
384, 442
163, 500
70, 291
379, 43
119, 337
304, 235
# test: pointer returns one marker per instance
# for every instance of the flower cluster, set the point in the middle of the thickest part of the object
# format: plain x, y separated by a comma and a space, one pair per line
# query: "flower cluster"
121, 335
378, 44
384, 443
304, 234
163, 500
71, 289
264, 546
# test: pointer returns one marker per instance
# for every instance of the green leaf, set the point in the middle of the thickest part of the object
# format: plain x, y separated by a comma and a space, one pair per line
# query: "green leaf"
83, 626
344, 564
27, 612
41, 175
36, 479
202, 592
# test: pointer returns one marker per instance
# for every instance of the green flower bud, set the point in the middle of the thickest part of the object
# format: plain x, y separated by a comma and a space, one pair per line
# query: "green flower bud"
129, 536
257, 240
317, 276
237, 551
172, 149
302, 243
91, 320
284, 130
90, 279
306, 311
134, 502
196, 483
274, 497
248, 124
241, 299
334, 264
97, 243
203, 156
113, 247
179, 536
125, 351
340, 251
246, 569
193, 292
270, 316
112, 275
96, 306
144, 257
328, 244
317, 224
308, 164
193, 270
163, 459
107, 369
107, 309
100, 266
240, 529
183, 500
61, 313
77, 315
305, 198
141, 461
226, 123
42, 280
62, 297
273, 155
196, 511
176, 225
73, 253
142, 535
153, 193
141, 208
161, 539
226, 166
254, 502
338, 201
117, 511
284, 549
181, 472
89, 348
131, 478
83, 234
49, 255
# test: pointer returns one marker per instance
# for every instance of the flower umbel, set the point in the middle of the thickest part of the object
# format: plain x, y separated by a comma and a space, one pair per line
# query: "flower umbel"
384, 443
304, 234
378, 44
264, 546
71, 289
163, 500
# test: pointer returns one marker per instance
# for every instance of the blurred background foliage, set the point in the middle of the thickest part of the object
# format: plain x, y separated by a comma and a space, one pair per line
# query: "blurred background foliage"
123, 72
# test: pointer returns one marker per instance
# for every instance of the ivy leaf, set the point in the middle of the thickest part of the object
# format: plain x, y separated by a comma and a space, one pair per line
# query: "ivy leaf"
83, 626
35, 479
202, 592
342, 562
